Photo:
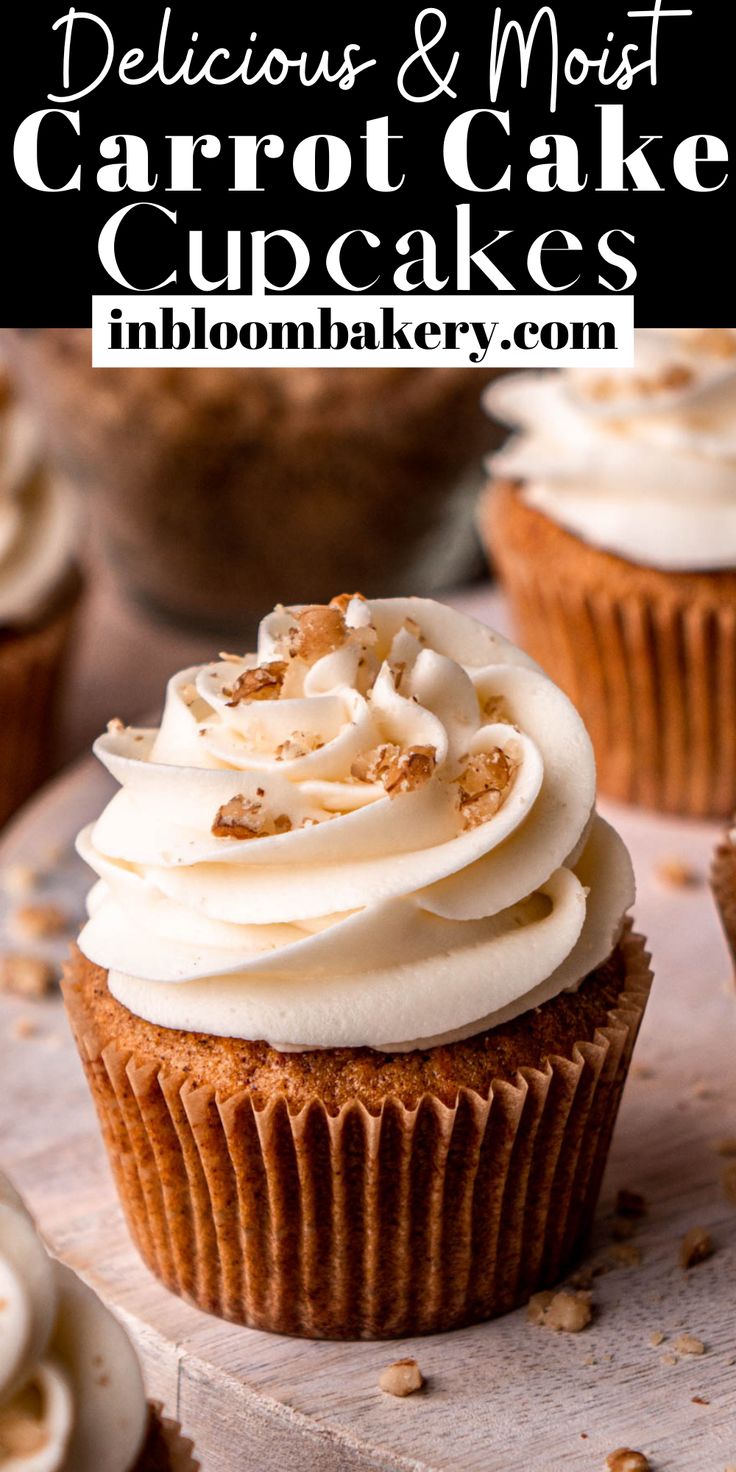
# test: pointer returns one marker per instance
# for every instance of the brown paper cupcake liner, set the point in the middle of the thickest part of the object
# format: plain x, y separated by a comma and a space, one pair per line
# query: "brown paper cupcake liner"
165, 1448
723, 885
648, 658
31, 669
355, 1224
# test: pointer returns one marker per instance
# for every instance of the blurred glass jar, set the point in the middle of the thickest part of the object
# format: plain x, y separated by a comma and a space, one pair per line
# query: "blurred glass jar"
222, 490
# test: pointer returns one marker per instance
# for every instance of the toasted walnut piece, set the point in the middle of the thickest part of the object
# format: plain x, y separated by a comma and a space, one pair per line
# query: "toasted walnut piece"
401, 1378
677, 873
564, 1312
244, 817
262, 683
483, 786
410, 770
696, 1246
319, 629
371, 765
626, 1460
688, 1344
630, 1203
34, 922
299, 743
728, 1182
26, 976
341, 600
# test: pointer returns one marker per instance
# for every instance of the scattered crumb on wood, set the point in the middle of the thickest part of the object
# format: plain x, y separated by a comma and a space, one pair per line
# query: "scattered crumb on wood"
38, 922
695, 1247
700, 1400
26, 976
689, 1344
630, 1203
19, 879
626, 1460
656, 1338
564, 1312
626, 1254
728, 1182
668, 1359
642, 1070
401, 1378
676, 873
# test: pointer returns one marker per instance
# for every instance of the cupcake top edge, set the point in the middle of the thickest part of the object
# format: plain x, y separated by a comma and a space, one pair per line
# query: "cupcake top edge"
640, 462
39, 520
71, 1390
376, 830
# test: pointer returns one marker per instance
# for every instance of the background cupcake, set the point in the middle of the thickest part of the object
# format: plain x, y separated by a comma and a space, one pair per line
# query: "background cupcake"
357, 995
71, 1390
39, 590
612, 521
219, 490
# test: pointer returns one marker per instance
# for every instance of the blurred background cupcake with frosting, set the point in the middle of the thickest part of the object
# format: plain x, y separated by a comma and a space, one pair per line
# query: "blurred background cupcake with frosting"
39, 591
611, 520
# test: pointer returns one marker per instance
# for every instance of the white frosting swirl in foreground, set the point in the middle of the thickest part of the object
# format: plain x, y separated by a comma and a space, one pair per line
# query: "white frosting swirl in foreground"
71, 1392
38, 522
414, 853
640, 462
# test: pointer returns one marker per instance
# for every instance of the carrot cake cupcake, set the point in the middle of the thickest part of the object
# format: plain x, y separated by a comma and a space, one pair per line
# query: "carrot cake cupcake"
71, 1390
357, 994
39, 588
611, 519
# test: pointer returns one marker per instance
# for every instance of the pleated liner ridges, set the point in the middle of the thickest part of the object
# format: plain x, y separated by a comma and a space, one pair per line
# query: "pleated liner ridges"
649, 660
357, 1225
166, 1449
30, 669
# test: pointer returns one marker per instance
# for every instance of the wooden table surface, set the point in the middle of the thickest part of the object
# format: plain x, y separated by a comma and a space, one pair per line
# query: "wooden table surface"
501, 1397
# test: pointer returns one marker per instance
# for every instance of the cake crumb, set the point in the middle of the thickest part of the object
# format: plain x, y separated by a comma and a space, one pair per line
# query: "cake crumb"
696, 1246
563, 1312
689, 1344
656, 1338
728, 1182
626, 1254
669, 1358
677, 873
626, 1460
642, 1070
38, 922
630, 1203
401, 1378
19, 880
26, 976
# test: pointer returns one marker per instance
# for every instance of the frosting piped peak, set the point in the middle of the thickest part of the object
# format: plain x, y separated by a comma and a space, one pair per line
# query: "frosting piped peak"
376, 830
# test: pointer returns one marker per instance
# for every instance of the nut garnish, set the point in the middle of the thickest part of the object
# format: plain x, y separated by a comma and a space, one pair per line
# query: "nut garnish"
564, 1312
626, 1460
483, 786
33, 922
399, 771
262, 683
320, 628
299, 743
696, 1246
341, 600
244, 817
26, 976
688, 1344
401, 1378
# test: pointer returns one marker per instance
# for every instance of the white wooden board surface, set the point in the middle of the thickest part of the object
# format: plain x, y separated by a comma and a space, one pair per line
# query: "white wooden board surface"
501, 1397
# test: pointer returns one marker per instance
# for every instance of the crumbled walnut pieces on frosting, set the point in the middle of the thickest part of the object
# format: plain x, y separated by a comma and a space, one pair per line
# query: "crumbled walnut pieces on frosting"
483, 786
262, 683
244, 817
299, 743
398, 771
319, 630
342, 600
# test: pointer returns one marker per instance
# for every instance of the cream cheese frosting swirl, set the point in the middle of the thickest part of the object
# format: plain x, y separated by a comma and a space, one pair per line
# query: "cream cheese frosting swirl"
640, 462
378, 830
38, 521
71, 1392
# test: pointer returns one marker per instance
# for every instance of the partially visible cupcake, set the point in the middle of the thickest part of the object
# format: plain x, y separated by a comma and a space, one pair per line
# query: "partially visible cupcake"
71, 1390
358, 992
611, 519
723, 885
219, 490
39, 590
